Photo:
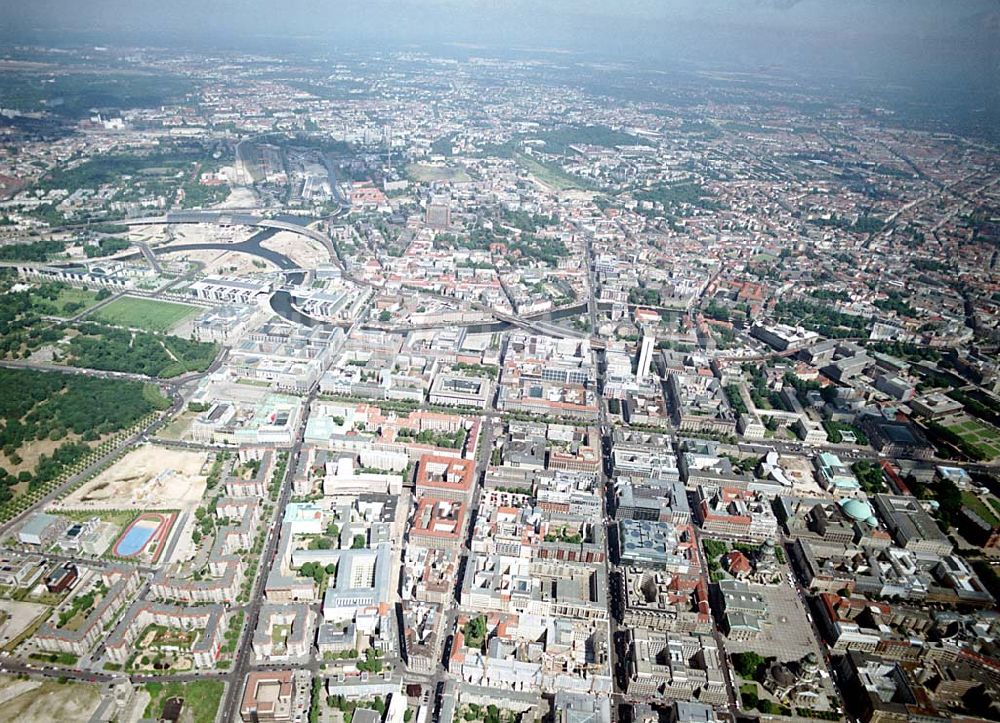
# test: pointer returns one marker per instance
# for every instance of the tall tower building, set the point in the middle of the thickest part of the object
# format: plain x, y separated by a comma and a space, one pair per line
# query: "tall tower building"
645, 356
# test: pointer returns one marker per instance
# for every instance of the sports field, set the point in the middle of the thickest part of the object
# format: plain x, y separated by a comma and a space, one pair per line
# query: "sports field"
145, 314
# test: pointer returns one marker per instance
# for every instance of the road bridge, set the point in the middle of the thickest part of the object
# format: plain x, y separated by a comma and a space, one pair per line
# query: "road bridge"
546, 328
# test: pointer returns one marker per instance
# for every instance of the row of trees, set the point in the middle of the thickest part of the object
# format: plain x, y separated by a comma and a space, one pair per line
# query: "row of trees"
46, 405
979, 406
968, 447
47, 469
904, 350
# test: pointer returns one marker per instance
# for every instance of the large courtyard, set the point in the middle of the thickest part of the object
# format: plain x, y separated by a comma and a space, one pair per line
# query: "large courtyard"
787, 633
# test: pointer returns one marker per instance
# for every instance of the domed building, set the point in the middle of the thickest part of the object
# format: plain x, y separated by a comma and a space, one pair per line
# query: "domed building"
859, 510
766, 549
796, 682
766, 568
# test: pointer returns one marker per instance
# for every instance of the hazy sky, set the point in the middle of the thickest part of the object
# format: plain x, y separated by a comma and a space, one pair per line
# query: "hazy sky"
466, 19
947, 40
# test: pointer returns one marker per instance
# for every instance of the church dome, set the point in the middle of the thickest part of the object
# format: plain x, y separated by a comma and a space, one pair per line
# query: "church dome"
858, 510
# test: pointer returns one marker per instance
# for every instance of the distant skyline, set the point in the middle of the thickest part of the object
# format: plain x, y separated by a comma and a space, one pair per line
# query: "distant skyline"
927, 46
502, 20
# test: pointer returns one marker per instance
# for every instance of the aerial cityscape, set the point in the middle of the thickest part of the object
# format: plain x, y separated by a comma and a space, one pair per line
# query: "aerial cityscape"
485, 383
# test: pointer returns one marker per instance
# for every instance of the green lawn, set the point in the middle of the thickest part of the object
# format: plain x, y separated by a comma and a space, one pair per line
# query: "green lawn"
977, 434
70, 302
60, 658
551, 174
200, 697
974, 503
146, 314
279, 633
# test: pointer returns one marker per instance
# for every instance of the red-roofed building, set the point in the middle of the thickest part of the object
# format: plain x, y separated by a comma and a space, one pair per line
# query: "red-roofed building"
750, 291
738, 564
438, 523
445, 477
268, 696
366, 195
646, 316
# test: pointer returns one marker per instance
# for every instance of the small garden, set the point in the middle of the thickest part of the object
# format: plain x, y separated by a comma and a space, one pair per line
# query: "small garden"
475, 631
347, 707
486, 714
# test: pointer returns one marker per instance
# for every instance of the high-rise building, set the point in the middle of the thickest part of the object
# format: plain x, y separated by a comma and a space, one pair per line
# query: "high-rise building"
645, 356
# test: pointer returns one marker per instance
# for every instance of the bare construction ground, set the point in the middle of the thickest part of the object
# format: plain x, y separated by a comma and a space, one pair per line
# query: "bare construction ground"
28, 701
149, 477
205, 233
17, 616
239, 197
307, 253
799, 470
215, 261
225, 263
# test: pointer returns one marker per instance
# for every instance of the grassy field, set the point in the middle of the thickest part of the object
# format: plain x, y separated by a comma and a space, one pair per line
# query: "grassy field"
145, 314
201, 698
60, 658
177, 427
70, 302
426, 174
551, 175
978, 434
974, 503
118, 518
